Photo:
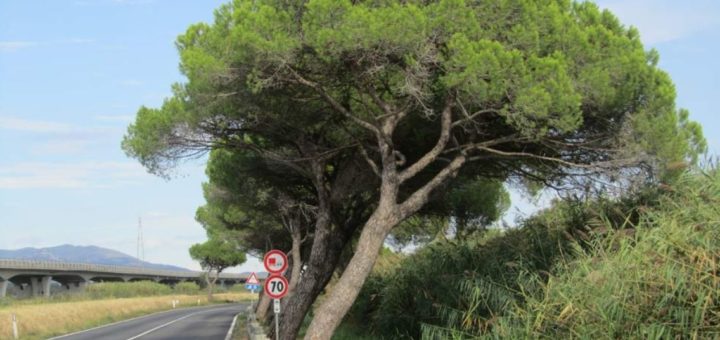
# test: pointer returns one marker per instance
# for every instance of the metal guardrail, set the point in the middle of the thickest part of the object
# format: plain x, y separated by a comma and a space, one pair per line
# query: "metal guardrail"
6, 264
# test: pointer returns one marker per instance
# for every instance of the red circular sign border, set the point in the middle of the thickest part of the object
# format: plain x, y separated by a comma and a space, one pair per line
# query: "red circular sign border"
285, 261
267, 283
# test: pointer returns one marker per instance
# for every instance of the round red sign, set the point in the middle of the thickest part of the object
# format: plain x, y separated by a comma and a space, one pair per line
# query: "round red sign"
275, 261
276, 286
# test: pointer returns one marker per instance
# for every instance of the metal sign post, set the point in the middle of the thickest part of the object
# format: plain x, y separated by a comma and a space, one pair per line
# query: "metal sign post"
276, 309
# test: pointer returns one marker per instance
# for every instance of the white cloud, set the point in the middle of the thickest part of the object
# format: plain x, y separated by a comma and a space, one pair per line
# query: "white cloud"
11, 123
662, 21
61, 147
14, 46
56, 138
89, 174
115, 118
28, 125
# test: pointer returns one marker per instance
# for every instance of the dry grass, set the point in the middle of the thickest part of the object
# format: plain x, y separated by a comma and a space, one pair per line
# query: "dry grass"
38, 321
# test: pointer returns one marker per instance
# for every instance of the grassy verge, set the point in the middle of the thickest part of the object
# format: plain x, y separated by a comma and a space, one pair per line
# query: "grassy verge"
115, 290
43, 320
240, 330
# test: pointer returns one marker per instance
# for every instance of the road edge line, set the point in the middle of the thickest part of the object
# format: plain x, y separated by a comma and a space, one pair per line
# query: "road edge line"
172, 322
128, 320
229, 334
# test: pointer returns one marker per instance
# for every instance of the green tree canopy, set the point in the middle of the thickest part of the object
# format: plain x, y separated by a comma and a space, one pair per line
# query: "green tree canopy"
416, 92
217, 255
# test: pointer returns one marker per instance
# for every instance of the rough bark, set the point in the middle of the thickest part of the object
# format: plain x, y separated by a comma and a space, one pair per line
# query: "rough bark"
324, 257
210, 279
296, 259
263, 307
337, 219
386, 216
345, 291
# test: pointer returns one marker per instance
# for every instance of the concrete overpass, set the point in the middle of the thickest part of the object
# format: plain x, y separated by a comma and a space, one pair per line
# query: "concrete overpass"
35, 277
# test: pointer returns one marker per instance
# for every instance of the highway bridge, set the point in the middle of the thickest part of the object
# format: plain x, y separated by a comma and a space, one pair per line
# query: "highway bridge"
39, 278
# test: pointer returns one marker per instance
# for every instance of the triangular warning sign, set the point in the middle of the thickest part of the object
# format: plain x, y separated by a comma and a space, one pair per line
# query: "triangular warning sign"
252, 280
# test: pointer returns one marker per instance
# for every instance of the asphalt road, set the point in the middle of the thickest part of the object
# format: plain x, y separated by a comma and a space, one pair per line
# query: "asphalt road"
179, 324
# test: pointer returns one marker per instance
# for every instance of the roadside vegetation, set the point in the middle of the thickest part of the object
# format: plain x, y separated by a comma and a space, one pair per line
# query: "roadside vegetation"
40, 321
117, 290
108, 290
646, 265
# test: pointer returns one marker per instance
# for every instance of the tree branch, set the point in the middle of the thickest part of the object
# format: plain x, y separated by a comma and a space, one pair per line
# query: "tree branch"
330, 100
430, 156
413, 203
551, 159
372, 163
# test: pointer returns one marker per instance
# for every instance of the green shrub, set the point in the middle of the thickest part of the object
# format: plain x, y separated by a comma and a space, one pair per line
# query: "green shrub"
659, 280
426, 287
126, 289
430, 278
188, 288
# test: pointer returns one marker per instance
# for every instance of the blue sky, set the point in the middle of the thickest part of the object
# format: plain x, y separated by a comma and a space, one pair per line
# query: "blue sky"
74, 72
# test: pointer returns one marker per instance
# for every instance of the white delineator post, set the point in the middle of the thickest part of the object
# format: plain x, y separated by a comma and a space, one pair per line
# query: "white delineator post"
14, 327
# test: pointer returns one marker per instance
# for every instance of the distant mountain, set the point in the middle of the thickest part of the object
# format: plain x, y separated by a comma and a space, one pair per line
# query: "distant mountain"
82, 254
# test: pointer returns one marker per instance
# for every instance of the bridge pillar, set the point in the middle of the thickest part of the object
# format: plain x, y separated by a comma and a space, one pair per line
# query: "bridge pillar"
3, 288
35, 286
45, 282
41, 285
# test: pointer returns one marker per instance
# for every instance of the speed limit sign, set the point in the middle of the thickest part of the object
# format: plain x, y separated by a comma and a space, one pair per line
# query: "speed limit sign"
276, 286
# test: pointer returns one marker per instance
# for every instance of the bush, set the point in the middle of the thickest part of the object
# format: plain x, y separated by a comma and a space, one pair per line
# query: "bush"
187, 288
658, 280
126, 289
411, 296
428, 286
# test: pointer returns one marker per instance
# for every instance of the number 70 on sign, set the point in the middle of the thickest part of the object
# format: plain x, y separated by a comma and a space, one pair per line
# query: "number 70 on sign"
276, 286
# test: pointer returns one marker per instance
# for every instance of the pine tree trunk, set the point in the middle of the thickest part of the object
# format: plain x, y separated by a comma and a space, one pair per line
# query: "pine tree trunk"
211, 285
327, 248
296, 260
263, 307
331, 312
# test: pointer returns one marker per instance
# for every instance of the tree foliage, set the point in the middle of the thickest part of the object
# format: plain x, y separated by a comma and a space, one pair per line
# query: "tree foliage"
402, 97
217, 255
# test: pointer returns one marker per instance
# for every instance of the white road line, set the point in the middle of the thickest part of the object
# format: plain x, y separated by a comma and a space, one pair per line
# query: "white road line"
163, 325
113, 324
127, 320
229, 334
174, 321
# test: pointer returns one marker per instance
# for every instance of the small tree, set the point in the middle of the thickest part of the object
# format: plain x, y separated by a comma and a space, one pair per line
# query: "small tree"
215, 256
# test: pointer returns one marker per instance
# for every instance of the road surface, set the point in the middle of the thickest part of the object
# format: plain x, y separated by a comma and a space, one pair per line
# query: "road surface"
188, 323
